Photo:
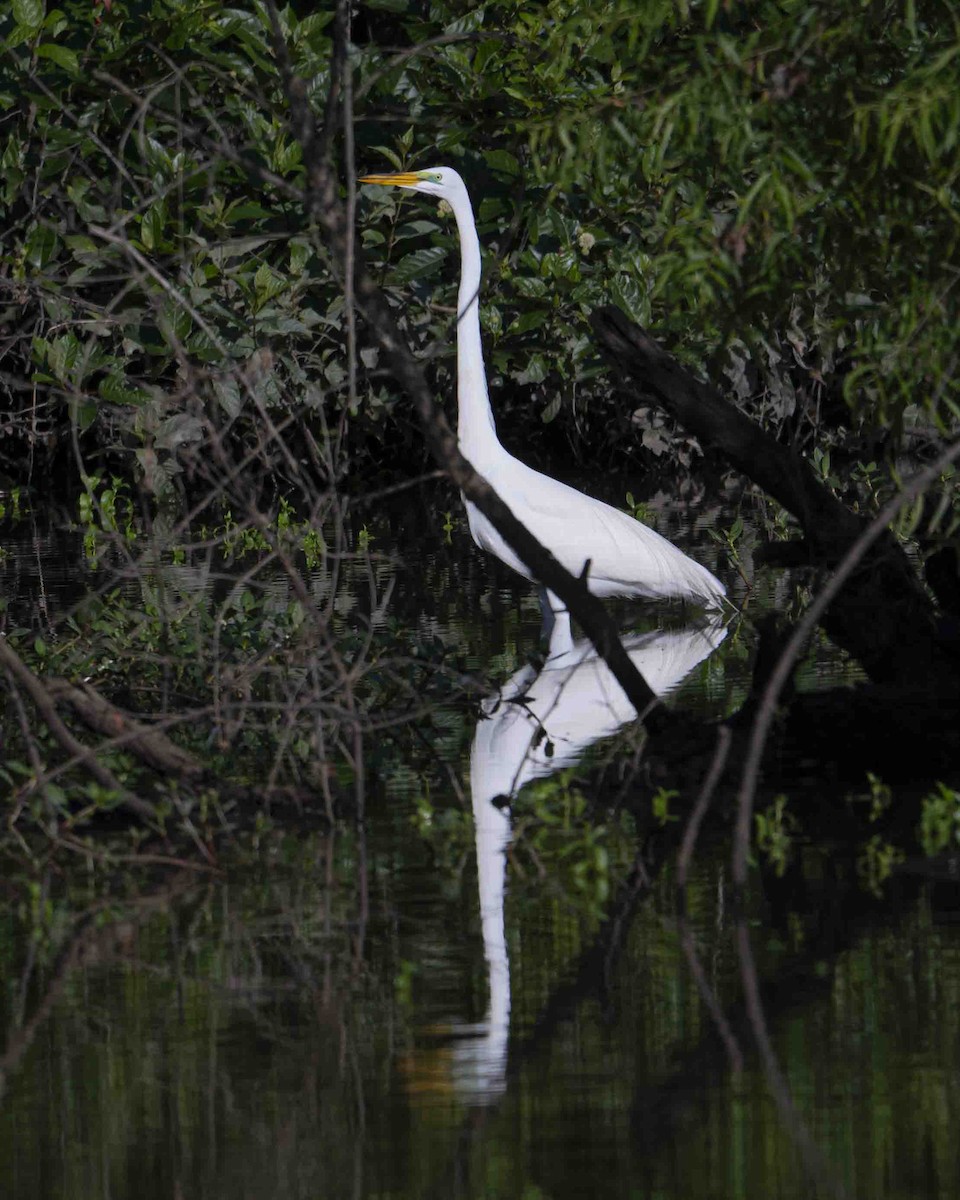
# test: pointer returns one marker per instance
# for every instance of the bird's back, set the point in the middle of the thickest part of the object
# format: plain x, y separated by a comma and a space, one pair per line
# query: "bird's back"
627, 558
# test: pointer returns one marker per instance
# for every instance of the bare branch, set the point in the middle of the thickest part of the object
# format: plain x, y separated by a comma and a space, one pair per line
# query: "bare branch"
45, 706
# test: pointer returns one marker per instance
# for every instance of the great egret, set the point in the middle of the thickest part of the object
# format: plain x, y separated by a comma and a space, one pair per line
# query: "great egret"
626, 557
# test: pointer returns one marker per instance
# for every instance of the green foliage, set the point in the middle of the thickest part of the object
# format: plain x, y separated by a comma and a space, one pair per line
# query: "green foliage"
178, 209
105, 509
774, 192
776, 831
248, 643
729, 537
940, 820
660, 805
697, 167
12, 505
881, 797
554, 824
877, 862
637, 509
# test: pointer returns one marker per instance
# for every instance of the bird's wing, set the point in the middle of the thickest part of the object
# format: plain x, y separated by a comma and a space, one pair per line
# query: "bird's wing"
626, 556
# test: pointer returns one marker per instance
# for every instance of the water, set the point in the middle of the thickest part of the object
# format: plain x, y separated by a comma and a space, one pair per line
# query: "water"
253, 1038
471, 1000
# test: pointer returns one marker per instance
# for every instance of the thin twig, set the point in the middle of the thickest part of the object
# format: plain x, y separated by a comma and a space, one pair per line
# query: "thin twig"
43, 703
707, 994
695, 820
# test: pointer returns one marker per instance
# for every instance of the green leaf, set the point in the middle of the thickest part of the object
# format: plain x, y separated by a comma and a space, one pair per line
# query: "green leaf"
485, 52
62, 355
418, 265
56, 21
267, 284
313, 25
391, 155
81, 244
41, 245
252, 210
415, 229
227, 391
625, 293
530, 286
491, 208
151, 225
28, 13
63, 56
86, 415
287, 157
529, 320
550, 412
116, 390
17, 36
502, 160
535, 372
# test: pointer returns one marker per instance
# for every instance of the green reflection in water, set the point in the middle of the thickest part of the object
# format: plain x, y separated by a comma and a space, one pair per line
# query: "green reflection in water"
298, 1027
283, 1033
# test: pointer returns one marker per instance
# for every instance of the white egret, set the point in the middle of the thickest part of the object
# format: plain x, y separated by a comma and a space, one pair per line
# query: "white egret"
626, 557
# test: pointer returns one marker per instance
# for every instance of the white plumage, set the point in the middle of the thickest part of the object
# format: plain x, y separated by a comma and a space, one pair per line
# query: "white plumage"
535, 724
540, 721
626, 557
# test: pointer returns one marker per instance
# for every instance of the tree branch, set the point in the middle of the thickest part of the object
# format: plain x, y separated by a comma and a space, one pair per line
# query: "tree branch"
43, 702
882, 616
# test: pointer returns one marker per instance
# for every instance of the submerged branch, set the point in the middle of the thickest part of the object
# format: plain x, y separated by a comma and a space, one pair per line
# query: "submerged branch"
151, 746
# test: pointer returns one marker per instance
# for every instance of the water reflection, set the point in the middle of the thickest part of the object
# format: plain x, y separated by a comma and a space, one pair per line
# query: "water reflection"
539, 721
247, 1033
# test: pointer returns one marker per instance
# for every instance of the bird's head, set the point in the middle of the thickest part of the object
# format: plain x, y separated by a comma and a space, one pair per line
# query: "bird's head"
435, 181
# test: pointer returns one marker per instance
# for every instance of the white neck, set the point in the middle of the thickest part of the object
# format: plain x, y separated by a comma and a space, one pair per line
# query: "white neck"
476, 431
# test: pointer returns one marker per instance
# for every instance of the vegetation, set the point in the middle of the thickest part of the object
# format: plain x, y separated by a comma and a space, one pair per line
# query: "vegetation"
773, 188
239, 673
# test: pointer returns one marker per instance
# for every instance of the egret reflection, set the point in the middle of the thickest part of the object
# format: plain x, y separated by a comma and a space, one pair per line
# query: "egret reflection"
538, 722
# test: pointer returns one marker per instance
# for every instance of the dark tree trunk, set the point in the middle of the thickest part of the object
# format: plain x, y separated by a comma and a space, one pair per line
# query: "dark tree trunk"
883, 616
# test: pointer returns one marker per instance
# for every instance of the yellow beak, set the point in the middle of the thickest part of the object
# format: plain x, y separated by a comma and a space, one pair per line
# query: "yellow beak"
400, 179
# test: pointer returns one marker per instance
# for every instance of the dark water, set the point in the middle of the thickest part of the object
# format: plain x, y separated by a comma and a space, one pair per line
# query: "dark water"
466, 1000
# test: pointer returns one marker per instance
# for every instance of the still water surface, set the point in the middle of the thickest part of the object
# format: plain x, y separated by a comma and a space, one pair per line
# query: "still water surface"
469, 999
